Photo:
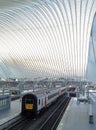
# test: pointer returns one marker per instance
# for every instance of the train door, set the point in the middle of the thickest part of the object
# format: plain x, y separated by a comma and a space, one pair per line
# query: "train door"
39, 103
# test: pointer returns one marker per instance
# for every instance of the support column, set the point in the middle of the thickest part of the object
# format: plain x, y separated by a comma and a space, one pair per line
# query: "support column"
90, 113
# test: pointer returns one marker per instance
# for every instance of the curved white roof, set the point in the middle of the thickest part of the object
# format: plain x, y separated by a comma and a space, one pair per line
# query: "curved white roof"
45, 38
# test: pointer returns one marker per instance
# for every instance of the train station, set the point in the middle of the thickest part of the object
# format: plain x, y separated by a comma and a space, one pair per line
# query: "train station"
47, 64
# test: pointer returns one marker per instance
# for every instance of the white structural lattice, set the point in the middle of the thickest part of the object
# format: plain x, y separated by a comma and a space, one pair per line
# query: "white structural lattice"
45, 38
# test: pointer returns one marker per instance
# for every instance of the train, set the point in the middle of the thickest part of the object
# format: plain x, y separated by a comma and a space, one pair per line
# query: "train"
33, 103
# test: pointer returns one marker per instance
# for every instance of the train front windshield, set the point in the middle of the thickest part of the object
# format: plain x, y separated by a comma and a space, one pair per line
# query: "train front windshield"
29, 101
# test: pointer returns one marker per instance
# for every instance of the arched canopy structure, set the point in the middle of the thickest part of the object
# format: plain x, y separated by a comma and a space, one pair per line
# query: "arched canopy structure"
45, 38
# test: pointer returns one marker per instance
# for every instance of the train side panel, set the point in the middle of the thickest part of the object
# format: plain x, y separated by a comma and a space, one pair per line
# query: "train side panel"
52, 97
41, 102
34, 103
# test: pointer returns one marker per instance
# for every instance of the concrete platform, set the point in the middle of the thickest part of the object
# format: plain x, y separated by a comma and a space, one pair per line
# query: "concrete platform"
14, 110
76, 117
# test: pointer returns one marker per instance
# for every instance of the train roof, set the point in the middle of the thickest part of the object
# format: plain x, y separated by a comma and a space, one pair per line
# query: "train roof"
41, 92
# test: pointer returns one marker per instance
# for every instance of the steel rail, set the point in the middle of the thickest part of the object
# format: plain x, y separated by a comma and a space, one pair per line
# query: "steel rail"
17, 124
50, 120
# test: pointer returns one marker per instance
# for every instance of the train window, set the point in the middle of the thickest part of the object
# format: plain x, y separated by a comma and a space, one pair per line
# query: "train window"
53, 95
63, 90
39, 102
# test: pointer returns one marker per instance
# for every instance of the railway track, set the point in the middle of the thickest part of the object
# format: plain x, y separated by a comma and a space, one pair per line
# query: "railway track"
18, 124
52, 121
